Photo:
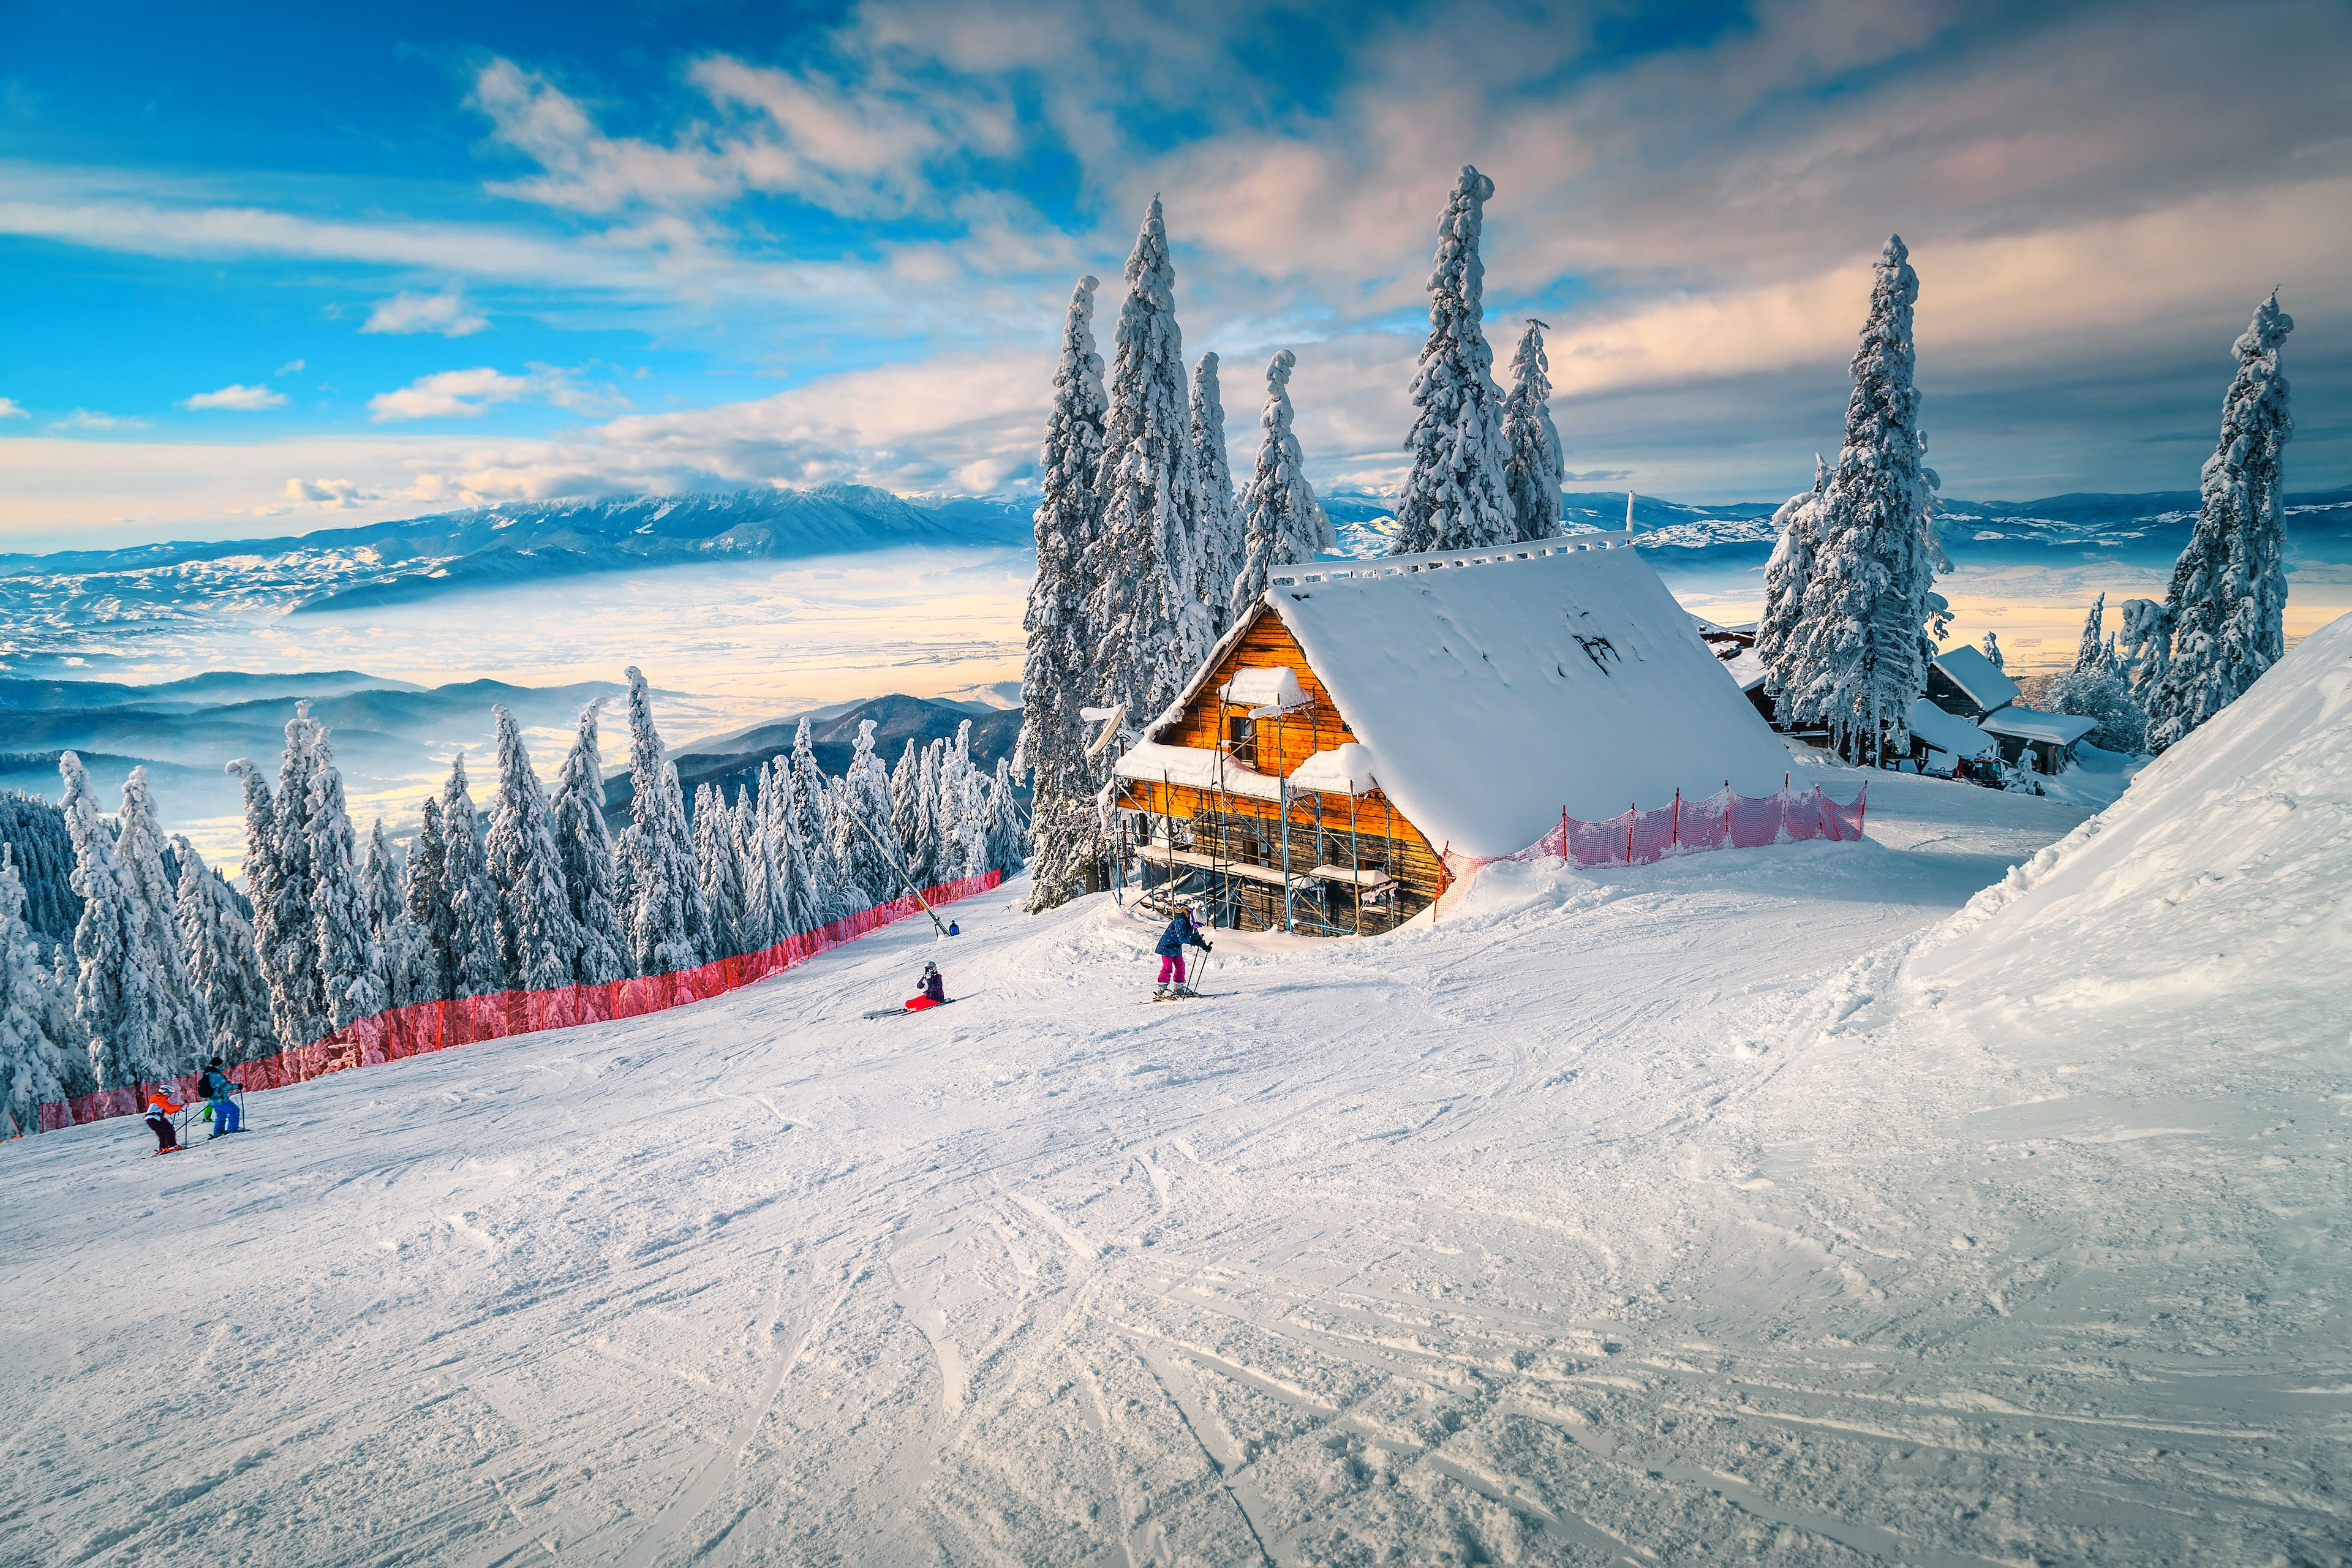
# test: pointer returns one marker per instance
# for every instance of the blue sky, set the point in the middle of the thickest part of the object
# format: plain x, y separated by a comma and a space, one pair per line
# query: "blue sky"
324, 264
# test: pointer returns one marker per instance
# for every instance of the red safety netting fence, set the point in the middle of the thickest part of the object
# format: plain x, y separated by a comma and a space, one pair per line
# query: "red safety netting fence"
425, 1026
1637, 838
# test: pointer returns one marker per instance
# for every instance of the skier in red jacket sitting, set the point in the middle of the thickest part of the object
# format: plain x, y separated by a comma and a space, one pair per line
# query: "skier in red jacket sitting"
934, 991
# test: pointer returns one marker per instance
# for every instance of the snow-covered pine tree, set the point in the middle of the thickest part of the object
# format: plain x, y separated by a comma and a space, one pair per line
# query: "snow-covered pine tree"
477, 966
669, 923
797, 906
180, 1027
2227, 604
223, 961
757, 926
1285, 524
1150, 626
289, 958
2091, 652
115, 988
1006, 836
1458, 494
1858, 658
584, 843
1222, 534
863, 839
36, 1065
1785, 576
813, 834
1531, 440
910, 815
432, 974
2147, 643
539, 942
383, 893
351, 965
1059, 674
719, 869
968, 808
1992, 653
260, 845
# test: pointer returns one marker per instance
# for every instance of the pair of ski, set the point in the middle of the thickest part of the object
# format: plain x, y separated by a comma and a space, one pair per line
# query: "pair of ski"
901, 1012
1182, 996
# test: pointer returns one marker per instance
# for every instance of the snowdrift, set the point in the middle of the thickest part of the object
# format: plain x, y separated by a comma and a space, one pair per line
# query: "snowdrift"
2212, 896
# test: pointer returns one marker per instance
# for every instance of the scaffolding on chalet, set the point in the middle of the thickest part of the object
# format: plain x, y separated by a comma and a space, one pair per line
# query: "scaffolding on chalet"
1221, 856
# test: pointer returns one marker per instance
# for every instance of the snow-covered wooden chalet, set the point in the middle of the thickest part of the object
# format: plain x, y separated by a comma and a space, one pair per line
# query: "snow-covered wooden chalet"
1363, 717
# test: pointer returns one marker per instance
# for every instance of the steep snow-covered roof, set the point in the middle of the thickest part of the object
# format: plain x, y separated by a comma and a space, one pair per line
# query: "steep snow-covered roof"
2031, 724
1973, 673
1491, 689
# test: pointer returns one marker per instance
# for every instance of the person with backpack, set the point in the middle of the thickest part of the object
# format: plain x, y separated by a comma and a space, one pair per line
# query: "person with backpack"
217, 1087
1180, 933
161, 1108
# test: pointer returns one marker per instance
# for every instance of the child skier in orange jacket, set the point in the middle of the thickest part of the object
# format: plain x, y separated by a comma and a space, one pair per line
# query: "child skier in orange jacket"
161, 1108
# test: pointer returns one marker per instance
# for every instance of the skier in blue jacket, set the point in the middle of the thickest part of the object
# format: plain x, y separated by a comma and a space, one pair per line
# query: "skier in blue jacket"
218, 1088
1181, 932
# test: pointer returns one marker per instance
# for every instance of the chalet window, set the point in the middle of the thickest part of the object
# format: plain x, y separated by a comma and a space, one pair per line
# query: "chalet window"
1241, 739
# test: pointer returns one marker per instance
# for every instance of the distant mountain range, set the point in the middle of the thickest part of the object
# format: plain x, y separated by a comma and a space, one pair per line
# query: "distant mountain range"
498, 547
2135, 530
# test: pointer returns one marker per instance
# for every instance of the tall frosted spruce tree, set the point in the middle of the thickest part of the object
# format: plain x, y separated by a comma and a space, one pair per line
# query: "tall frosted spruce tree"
350, 966
1458, 495
222, 960
181, 1026
863, 841
1787, 576
2227, 605
1531, 439
1218, 555
289, 948
719, 867
583, 844
1285, 524
812, 833
476, 965
37, 1061
383, 893
118, 996
667, 922
1145, 613
1858, 657
1058, 670
430, 975
539, 942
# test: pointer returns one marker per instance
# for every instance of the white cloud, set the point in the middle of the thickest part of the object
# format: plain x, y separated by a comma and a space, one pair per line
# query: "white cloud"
12, 409
329, 495
467, 393
96, 419
446, 314
292, 367
239, 398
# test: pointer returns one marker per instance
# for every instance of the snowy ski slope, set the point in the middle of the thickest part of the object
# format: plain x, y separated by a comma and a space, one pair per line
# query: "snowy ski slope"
1643, 1214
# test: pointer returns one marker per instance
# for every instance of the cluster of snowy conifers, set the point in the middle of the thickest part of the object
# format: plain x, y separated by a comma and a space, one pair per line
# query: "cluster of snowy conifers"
1851, 620
541, 896
1145, 556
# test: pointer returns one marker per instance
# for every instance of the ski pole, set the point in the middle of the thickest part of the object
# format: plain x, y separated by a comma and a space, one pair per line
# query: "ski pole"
905, 876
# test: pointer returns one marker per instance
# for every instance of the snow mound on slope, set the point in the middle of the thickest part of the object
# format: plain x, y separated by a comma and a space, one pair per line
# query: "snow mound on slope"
2216, 887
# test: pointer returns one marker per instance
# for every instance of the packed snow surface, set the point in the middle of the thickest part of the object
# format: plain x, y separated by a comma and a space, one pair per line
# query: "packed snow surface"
1752, 1206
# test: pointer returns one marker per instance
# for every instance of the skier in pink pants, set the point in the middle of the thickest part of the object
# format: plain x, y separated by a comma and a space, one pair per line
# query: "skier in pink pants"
1172, 941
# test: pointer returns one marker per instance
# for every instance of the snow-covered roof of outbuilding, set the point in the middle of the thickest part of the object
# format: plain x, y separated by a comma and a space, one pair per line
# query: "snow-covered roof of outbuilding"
1973, 673
2031, 724
1947, 733
1490, 688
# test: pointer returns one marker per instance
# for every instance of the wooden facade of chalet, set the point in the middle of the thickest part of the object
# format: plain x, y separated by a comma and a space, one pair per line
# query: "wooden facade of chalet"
1345, 863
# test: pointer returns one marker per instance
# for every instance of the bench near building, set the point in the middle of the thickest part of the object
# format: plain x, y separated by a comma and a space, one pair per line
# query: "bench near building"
1365, 717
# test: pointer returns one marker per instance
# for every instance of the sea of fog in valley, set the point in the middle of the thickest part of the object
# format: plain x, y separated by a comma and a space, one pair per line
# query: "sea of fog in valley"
744, 609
